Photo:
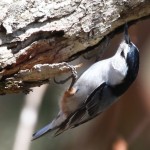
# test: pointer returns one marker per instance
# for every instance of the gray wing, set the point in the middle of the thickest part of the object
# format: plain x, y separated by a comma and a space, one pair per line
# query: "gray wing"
86, 112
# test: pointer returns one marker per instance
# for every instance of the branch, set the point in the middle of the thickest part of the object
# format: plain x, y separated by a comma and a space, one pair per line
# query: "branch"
39, 33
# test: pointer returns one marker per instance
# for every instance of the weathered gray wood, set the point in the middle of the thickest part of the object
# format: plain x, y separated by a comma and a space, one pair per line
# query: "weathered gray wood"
33, 33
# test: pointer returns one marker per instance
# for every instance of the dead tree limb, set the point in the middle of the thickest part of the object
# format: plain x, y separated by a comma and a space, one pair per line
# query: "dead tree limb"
36, 34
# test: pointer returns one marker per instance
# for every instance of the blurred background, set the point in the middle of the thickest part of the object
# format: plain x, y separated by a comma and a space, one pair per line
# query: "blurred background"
124, 126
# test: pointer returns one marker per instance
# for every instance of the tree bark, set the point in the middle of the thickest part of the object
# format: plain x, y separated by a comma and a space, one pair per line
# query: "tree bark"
36, 37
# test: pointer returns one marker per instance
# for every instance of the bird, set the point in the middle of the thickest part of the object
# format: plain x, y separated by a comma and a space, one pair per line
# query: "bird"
96, 89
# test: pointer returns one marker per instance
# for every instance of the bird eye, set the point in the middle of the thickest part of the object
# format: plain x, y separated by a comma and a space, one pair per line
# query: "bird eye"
122, 54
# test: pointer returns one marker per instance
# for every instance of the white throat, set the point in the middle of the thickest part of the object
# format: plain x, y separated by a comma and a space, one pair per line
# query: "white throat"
118, 69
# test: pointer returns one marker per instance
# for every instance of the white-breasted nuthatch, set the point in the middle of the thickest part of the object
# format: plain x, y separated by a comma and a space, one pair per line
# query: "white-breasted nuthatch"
96, 89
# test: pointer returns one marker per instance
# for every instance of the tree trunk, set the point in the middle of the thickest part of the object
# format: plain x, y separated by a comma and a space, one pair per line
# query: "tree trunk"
36, 37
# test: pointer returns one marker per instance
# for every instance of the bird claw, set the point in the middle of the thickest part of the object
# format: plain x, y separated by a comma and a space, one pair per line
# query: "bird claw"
72, 58
73, 76
62, 81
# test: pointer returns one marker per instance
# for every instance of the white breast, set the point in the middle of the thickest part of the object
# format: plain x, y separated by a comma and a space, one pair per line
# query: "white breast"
118, 70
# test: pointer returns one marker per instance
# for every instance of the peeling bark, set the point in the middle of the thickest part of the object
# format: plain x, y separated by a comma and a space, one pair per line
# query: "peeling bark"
40, 33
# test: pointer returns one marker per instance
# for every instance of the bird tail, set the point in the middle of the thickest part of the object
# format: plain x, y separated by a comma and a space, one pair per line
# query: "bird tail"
42, 131
50, 127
